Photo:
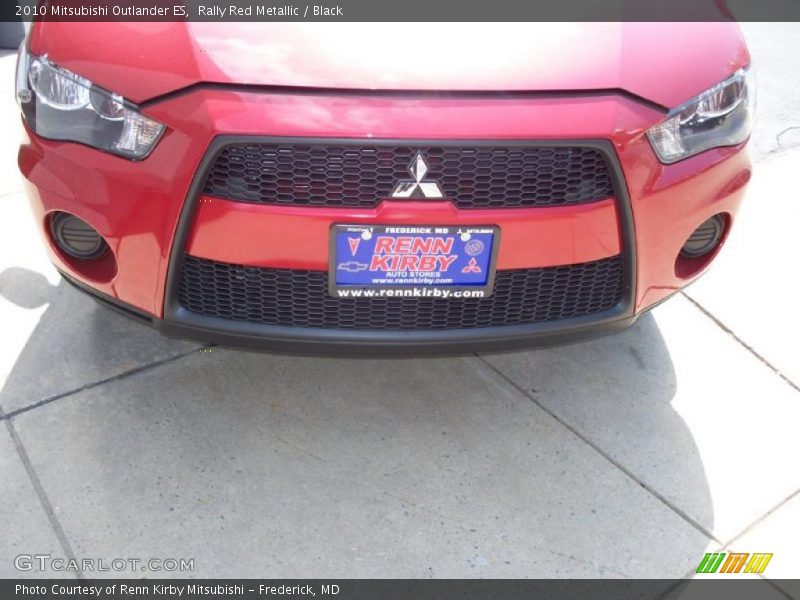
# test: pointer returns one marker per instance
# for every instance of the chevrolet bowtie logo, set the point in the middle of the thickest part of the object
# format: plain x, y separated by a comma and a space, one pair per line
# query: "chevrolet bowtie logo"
417, 188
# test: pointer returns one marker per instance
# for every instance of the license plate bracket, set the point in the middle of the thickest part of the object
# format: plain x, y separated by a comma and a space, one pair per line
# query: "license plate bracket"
436, 261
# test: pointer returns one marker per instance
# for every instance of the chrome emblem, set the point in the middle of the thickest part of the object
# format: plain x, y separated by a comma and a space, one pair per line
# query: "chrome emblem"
418, 188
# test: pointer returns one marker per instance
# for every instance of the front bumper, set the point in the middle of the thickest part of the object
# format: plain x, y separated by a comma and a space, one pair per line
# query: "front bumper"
313, 342
154, 213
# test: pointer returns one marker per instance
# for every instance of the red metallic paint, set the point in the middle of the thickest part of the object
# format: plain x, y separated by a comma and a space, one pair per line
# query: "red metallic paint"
666, 63
135, 206
297, 238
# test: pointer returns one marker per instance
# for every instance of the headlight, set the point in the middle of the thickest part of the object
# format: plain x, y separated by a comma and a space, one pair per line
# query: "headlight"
722, 116
60, 105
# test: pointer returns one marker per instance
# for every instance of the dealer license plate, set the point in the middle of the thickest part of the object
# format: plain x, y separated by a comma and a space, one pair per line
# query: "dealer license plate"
377, 261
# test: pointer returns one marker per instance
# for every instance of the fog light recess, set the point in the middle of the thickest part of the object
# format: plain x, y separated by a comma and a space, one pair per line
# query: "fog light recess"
76, 238
705, 238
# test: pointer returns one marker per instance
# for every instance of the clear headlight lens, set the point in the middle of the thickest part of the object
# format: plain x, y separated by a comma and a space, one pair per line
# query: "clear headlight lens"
60, 105
721, 116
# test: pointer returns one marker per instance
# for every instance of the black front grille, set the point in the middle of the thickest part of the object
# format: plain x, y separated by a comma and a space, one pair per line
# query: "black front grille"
345, 175
301, 299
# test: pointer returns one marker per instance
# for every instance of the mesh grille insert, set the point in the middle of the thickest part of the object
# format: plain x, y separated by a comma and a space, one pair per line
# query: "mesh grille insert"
347, 175
298, 298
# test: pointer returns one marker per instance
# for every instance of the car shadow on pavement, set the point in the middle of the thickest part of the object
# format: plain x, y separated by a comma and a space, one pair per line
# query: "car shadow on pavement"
562, 462
73, 343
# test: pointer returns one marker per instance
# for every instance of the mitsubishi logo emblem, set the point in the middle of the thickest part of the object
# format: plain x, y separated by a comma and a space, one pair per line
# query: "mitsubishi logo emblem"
418, 188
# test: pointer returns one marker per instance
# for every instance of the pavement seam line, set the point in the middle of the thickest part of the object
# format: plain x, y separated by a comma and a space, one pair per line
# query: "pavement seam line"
601, 452
687, 579
47, 506
749, 348
762, 518
778, 588
94, 384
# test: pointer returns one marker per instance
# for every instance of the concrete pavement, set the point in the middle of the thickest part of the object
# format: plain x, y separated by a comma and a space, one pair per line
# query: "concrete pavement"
628, 456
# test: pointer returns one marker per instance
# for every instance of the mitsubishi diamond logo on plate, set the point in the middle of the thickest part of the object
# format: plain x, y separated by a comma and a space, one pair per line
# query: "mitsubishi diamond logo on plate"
418, 187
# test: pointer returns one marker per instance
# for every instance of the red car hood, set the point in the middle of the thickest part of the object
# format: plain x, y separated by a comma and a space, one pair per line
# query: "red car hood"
665, 63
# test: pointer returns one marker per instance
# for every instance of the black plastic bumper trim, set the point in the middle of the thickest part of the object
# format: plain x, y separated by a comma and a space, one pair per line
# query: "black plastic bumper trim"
451, 342
331, 342
113, 303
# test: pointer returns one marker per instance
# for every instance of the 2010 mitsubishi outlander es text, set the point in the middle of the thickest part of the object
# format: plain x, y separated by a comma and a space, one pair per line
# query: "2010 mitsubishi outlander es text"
309, 188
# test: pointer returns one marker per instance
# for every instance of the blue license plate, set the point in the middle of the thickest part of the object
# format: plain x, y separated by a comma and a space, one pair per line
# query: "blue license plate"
376, 261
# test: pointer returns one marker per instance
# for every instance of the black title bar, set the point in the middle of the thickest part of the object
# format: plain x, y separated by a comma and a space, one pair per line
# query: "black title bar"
400, 10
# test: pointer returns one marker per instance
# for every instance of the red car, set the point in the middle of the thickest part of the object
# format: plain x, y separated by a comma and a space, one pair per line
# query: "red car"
320, 188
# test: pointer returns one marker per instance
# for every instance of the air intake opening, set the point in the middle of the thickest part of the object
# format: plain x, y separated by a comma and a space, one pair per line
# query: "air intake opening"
76, 238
